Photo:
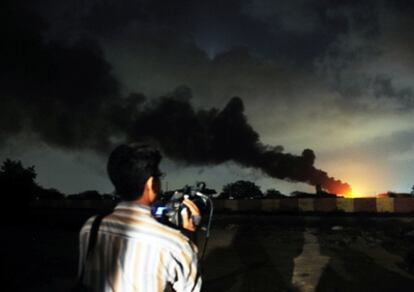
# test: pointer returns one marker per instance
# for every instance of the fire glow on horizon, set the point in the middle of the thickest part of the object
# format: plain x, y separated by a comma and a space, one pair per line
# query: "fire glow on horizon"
359, 191
364, 179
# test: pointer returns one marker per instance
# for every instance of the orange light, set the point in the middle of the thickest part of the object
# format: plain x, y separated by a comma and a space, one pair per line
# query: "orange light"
350, 194
364, 179
357, 193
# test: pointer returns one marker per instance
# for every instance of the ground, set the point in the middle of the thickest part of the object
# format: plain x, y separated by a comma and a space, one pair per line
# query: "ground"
288, 253
246, 252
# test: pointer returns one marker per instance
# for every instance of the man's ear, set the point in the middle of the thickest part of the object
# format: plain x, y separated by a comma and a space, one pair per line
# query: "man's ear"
149, 184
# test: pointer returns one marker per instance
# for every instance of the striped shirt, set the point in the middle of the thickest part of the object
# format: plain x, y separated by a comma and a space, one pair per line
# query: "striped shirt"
134, 252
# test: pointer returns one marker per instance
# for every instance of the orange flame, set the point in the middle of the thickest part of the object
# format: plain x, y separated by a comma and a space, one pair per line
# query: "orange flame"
349, 194
357, 193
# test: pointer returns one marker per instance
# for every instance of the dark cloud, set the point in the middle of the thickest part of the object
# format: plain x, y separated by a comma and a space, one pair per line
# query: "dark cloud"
259, 49
370, 60
299, 65
68, 96
169, 43
383, 87
297, 31
59, 91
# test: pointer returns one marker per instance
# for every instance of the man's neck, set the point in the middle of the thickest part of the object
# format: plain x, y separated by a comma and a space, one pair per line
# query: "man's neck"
145, 199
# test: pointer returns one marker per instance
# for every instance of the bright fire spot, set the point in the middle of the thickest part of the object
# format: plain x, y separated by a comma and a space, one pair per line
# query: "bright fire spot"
356, 193
349, 194
364, 179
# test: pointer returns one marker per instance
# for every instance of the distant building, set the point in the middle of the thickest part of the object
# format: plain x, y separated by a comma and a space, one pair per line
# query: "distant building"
298, 194
321, 193
395, 195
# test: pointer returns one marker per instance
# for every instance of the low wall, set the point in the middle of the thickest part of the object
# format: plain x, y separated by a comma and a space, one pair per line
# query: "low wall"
74, 204
320, 205
302, 205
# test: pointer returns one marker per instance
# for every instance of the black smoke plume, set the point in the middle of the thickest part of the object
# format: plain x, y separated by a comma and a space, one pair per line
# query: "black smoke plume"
213, 137
67, 95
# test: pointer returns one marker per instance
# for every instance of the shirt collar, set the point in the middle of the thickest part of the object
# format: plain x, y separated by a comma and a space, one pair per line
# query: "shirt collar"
134, 206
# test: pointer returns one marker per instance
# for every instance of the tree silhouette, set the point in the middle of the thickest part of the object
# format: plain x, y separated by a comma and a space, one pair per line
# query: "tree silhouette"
241, 190
48, 194
17, 183
272, 193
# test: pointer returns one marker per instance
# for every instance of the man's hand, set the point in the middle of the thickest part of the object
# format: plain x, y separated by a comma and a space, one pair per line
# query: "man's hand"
187, 216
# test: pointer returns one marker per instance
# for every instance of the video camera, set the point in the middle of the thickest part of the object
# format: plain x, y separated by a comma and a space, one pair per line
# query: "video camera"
168, 210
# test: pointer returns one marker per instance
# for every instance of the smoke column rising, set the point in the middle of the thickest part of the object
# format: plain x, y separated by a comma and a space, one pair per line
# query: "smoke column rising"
213, 137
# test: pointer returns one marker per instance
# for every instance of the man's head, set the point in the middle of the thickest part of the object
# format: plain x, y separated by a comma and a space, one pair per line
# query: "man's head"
132, 168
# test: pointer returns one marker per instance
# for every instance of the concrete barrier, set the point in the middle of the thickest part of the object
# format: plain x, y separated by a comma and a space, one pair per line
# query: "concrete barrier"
74, 204
249, 205
403, 205
289, 204
306, 204
325, 205
270, 205
365, 205
357, 205
230, 205
385, 205
345, 205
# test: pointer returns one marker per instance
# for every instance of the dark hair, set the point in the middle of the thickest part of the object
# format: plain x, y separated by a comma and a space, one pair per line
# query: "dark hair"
130, 166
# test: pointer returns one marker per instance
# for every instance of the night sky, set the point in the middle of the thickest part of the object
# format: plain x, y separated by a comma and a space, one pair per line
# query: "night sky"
80, 76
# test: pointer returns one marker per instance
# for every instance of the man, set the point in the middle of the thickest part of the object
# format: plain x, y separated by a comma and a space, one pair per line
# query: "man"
133, 251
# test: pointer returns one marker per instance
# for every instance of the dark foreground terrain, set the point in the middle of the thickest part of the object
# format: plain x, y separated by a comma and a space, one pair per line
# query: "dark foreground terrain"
245, 253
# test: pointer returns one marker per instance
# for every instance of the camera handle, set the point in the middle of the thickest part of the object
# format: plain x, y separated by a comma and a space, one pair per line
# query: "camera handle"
207, 229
